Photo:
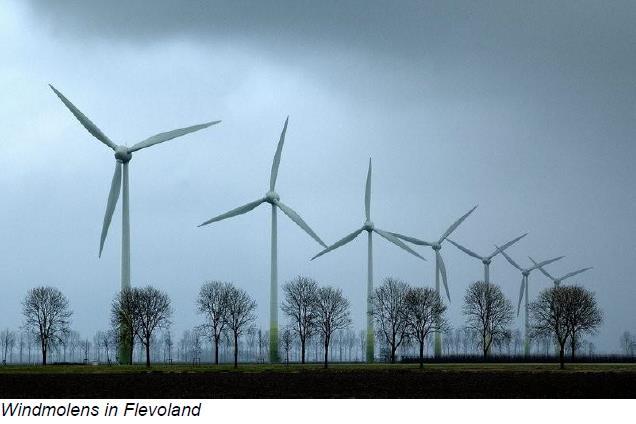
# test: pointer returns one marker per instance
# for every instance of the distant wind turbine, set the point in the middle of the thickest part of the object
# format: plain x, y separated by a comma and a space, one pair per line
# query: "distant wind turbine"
486, 260
370, 228
523, 291
557, 281
123, 155
440, 268
273, 199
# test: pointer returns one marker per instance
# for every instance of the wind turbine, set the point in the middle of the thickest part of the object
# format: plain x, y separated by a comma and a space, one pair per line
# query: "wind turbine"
523, 290
123, 155
440, 268
273, 199
370, 228
557, 281
486, 260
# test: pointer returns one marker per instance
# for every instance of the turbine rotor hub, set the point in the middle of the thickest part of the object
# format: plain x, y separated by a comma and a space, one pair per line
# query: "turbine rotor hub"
368, 226
525, 273
486, 261
272, 197
122, 154
436, 246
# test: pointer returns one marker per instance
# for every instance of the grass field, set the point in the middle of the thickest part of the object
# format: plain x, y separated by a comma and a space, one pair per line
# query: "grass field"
312, 381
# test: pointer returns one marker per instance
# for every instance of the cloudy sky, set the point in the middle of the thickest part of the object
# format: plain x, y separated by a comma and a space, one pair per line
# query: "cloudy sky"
527, 109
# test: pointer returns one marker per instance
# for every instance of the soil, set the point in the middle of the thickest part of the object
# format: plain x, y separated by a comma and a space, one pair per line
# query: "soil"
322, 384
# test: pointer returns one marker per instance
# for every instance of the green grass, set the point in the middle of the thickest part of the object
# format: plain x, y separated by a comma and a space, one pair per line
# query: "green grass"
295, 368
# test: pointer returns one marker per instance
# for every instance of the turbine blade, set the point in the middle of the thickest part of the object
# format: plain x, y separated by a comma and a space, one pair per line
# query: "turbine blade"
548, 261
396, 241
506, 245
113, 196
367, 194
87, 123
276, 163
299, 221
169, 135
573, 273
412, 239
455, 225
540, 267
442, 269
341, 242
237, 211
465, 249
521, 290
509, 259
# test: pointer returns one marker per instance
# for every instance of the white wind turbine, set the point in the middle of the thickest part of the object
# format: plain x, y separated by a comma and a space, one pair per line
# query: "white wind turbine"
273, 199
486, 260
370, 228
440, 268
555, 280
523, 291
123, 155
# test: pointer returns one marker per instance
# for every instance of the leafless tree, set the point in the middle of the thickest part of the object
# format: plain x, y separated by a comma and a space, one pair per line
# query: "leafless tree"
549, 318
168, 343
153, 312
287, 340
299, 296
583, 314
7, 342
424, 315
125, 317
240, 314
488, 312
390, 313
331, 309
46, 313
627, 343
212, 304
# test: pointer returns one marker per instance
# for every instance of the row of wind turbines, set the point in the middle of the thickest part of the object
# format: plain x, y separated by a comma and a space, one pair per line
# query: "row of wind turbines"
123, 156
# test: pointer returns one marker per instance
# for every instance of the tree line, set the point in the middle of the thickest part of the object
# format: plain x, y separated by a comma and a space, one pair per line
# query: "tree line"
317, 317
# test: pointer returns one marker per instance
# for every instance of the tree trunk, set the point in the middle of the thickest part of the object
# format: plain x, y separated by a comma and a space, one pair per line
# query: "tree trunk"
302, 350
393, 349
148, 353
235, 350
326, 352
562, 356
421, 354
216, 350
44, 354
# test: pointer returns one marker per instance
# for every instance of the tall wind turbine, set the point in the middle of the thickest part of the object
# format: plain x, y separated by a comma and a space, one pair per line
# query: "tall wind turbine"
370, 228
557, 281
440, 268
486, 260
123, 155
523, 291
273, 199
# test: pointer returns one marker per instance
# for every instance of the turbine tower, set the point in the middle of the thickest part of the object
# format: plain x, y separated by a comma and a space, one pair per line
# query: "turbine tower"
523, 291
486, 260
123, 155
273, 199
557, 281
440, 268
370, 228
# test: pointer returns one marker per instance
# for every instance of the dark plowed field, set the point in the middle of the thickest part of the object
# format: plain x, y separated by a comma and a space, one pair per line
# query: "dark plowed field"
321, 384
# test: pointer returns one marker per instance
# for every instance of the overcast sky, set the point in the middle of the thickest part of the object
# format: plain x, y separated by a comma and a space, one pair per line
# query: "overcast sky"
525, 108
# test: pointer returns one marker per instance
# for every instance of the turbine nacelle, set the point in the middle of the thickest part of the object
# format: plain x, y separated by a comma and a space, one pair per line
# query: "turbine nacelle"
436, 246
272, 197
122, 154
525, 273
486, 261
368, 226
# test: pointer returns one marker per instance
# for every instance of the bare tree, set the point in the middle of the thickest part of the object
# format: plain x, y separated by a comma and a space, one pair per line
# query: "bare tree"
240, 314
627, 343
153, 312
212, 303
582, 313
46, 313
424, 315
124, 316
488, 312
287, 340
390, 313
7, 341
168, 343
331, 309
299, 296
549, 318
